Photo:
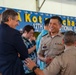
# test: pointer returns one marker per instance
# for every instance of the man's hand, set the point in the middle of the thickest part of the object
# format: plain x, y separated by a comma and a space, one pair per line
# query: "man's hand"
48, 60
30, 63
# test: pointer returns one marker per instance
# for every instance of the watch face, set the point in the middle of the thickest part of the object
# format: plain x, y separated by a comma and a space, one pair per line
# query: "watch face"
35, 67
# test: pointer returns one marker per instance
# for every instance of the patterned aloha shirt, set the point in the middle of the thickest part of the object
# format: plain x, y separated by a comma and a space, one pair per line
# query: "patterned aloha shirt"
32, 55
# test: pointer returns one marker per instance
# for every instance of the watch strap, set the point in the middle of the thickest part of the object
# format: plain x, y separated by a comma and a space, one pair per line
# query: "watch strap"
35, 67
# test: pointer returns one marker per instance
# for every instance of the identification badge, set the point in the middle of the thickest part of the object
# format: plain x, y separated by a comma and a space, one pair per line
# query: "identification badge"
44, 47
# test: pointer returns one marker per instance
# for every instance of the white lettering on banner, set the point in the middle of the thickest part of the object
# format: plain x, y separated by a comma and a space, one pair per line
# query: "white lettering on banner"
38, 26
74, 28
66, 28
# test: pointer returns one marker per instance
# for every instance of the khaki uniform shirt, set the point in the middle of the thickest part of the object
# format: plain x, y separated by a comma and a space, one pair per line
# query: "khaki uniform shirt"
51, 46
65, 64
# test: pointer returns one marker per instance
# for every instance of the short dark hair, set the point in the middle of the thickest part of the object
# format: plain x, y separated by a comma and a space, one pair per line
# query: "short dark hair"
8, 13
69, 37
46, 22
27, 28
58, 18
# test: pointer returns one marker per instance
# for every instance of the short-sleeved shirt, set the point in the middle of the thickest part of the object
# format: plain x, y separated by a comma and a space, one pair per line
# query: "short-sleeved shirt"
51, 46
65, 64
31, 55
43, 32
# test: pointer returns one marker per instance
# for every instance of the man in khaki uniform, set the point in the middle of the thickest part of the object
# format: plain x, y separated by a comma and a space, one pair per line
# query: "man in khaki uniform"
64, 64
51, 44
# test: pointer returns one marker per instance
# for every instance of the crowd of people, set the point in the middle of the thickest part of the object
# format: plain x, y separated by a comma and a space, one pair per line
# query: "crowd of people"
52, 53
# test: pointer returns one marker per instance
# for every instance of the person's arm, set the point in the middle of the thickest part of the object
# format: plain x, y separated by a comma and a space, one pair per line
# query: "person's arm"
31, 49
40, 52
20, 46
41, 56
47, 60
53, 68
38, 72
32, 66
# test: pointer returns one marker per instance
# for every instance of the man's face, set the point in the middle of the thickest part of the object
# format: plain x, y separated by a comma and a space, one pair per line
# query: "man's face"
54, 26
29, 34
13, 22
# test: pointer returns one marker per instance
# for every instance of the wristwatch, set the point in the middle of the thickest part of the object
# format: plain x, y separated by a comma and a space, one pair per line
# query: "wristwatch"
34, 68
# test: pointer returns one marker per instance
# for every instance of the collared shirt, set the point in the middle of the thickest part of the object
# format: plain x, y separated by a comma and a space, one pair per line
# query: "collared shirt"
51, 46
65, 64
31, 55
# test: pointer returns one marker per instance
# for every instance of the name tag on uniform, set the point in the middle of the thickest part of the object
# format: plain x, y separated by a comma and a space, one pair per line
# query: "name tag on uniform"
44, 47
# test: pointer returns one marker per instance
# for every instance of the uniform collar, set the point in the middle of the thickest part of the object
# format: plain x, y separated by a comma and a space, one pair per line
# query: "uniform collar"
58, 34
69, 47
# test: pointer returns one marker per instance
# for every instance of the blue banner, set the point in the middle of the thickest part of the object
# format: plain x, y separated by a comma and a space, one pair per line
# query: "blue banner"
36, 19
